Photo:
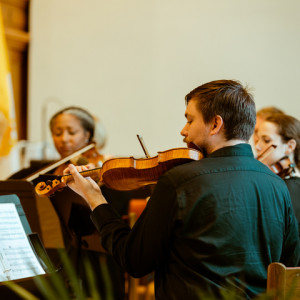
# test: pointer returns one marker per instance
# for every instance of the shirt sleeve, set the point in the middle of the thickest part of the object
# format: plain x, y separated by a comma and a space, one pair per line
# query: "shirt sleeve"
141, 249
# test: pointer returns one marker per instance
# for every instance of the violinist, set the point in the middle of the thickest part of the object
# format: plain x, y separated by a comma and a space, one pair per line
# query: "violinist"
73, 128
211, 224
262, 114
283, 131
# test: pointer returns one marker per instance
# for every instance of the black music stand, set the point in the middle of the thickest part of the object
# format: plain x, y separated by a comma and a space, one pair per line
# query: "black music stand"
37, 247
25, 191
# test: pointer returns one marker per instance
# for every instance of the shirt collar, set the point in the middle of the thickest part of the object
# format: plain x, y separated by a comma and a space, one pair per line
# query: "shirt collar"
237, 150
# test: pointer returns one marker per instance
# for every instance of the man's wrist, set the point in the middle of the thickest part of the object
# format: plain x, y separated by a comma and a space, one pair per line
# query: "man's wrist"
94, 202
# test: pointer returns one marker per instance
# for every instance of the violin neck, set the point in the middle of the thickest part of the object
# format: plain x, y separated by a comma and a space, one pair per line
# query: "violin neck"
266, 153
95, 174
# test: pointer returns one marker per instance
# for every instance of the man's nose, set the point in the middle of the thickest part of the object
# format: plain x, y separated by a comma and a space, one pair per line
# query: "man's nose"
183, 131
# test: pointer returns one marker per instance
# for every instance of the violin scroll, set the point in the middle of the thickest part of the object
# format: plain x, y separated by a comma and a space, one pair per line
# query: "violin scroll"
45, 189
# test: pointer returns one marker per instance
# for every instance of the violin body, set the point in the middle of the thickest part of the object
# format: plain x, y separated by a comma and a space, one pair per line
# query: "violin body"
126, 174
283, 167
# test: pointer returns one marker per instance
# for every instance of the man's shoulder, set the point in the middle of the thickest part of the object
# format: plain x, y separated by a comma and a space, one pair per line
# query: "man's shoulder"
222, 166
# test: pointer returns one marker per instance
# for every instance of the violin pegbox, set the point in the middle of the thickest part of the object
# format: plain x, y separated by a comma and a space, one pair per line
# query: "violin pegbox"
45, 189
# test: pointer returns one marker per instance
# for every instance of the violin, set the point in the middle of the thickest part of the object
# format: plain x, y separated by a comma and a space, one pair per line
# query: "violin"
127, 173
283, 168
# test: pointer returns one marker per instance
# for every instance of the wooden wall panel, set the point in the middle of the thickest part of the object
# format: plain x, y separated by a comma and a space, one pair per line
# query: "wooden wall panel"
16, 25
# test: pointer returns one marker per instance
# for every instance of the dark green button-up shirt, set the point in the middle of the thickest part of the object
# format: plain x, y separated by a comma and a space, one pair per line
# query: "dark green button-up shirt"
209, 225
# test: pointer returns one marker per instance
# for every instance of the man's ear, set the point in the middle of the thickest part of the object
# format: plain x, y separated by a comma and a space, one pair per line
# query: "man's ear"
216, 125
291, 146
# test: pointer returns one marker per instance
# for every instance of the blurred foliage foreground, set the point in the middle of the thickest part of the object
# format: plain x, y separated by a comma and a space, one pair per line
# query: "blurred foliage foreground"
66, 285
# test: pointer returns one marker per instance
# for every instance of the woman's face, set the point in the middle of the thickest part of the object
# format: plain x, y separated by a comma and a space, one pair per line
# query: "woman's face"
267, 134
68, 134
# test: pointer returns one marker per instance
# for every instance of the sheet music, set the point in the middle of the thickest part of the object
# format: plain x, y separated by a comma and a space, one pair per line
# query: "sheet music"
17, 259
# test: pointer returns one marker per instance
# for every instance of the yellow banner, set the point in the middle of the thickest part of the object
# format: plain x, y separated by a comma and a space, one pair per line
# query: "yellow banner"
8, 130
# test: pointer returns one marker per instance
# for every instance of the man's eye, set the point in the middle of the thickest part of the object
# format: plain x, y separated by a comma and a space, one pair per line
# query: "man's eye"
267, 141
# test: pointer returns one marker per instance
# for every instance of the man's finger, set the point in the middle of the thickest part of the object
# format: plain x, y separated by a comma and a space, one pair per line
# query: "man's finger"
74, 172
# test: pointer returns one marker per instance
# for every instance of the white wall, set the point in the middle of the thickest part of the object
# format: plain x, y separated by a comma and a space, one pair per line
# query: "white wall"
132, 62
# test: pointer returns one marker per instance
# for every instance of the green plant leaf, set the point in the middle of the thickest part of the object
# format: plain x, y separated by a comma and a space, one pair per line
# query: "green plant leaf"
79, 293
20, 290
95, 295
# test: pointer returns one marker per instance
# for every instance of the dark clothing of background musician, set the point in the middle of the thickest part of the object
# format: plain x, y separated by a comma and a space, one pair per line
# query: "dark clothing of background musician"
34, 167
209, 224
293, 184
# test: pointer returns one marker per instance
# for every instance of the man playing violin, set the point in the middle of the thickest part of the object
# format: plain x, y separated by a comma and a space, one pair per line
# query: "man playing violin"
210, 225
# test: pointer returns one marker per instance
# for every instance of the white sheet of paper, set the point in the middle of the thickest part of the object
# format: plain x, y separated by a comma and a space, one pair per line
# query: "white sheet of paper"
17, 259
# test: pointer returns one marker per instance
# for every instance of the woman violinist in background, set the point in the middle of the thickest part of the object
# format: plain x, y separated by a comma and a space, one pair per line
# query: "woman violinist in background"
282, 131
261, 115
72, 129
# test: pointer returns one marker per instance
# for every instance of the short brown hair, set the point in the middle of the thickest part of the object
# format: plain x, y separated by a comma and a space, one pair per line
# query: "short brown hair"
230, 100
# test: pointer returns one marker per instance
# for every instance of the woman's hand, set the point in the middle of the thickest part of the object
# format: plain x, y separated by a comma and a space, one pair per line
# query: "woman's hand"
86, 187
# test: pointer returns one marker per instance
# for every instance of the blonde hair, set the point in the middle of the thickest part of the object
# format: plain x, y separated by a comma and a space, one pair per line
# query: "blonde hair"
268, 111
